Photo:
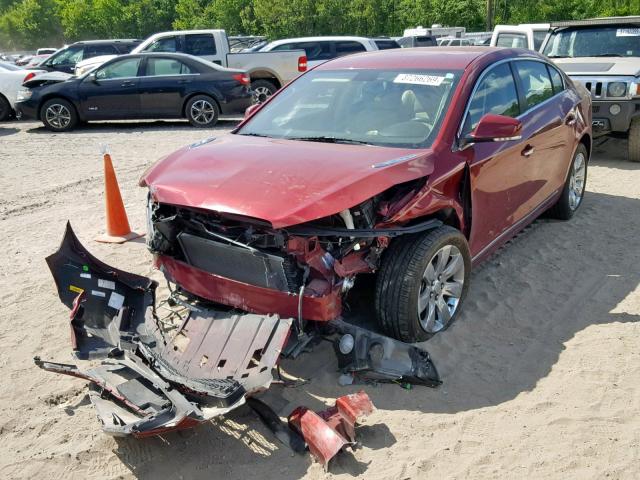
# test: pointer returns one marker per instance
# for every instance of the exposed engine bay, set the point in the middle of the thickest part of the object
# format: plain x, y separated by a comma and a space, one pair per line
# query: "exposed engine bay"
315, 261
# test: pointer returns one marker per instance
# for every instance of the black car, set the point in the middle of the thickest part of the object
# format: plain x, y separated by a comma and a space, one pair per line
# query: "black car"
65, 59
137, 86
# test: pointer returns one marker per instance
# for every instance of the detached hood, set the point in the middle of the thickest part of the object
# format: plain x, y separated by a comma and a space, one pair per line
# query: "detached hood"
595, 66
285, 182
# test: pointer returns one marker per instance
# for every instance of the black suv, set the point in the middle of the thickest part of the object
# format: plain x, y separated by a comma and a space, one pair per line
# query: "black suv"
65, 60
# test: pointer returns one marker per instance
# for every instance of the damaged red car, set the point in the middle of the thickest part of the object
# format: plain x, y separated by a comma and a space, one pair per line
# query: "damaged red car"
395, 171
410, 164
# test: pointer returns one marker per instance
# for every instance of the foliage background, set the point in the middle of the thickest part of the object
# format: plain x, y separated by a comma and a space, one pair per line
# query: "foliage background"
27, 24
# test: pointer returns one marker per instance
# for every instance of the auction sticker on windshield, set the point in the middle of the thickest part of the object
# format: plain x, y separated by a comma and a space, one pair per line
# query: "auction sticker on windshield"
628, 32
432, 80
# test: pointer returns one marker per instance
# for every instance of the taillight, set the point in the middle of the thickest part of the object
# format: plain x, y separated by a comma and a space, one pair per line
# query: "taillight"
29, 76
243, 78
302, 63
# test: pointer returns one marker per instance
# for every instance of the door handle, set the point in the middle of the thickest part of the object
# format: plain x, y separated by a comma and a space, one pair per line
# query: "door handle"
127, 83
184, 81
528, 151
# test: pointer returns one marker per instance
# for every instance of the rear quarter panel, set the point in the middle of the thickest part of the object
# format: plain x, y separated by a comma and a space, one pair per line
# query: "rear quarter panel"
283, 65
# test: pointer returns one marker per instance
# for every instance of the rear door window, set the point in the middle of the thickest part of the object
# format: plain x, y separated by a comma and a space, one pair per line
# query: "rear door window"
97, 50
199, 44
535, 81
347, 48
313, 50
556, 79
167, 44
126, 68
496, 93
512, 40
166, 66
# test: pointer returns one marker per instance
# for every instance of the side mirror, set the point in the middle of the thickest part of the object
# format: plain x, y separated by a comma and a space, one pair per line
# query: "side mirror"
495, 128
92, 77
252, 108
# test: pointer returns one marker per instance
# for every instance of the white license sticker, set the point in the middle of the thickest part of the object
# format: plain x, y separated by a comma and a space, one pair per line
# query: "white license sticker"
116, 300
106, 284
85, 275
628, 32
98, 293
431, 80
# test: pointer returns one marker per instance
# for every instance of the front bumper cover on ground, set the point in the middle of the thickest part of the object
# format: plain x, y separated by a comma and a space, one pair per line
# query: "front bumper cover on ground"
201, 367
161, 374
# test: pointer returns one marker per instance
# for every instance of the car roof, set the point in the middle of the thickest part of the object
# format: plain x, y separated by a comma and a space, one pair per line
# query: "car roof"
119, 40
453, 58
318, 39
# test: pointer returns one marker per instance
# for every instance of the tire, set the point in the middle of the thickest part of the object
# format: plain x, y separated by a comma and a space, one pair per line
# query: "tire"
566, 205
5, 109
58, 115
402, 281
262, 89
634, 140
202, 111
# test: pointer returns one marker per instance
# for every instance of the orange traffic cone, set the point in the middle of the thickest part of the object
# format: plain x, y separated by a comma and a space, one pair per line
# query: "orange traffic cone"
118, 230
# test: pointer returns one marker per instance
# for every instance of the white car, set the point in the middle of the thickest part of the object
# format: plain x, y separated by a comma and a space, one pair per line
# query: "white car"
525, 35
321, 49
10, 82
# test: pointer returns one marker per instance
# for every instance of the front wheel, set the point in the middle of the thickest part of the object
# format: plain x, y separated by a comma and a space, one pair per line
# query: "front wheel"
573, 190
421, 284
202, 111
58, 115
5, 109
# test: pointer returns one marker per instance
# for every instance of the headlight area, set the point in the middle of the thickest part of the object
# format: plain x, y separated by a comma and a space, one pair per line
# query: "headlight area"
617, 89
24, 94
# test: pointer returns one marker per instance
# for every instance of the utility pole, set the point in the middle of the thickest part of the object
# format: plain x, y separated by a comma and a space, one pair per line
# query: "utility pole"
490, 8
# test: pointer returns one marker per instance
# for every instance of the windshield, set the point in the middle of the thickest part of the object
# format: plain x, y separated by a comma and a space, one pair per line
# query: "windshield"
614, 41
68, 56
375, 107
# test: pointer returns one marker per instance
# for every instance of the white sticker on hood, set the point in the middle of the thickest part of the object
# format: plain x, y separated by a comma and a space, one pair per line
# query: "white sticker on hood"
628, 32
116, 300
431, 80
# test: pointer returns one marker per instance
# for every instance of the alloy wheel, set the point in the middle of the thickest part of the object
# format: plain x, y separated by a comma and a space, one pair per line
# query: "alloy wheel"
261, 94
441, 288
202, 112
576, 181
58, 116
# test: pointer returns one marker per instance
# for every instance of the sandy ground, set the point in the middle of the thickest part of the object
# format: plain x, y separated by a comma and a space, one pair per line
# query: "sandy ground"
541, 372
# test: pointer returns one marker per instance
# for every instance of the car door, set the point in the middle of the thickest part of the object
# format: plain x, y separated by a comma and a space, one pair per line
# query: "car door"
202, 45
162, 86
112, 91
497, 169
546, 132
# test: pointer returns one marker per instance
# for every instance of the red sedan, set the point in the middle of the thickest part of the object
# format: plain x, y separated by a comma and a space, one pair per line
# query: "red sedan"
411, 164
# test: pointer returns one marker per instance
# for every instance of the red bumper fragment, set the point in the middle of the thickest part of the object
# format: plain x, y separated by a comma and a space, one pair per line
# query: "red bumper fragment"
329, 431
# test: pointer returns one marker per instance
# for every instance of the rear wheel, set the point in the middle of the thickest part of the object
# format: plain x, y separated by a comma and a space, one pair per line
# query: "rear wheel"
421, 284
58, 115
202, 111
634, 140
573, 191
262, 89
5, 109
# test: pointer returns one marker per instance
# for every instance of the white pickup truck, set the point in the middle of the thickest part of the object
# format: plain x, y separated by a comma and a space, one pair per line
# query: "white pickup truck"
268, 70
525, 35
